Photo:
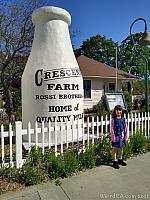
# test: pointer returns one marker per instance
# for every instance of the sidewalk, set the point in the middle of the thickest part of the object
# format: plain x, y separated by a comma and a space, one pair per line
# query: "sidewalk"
103, 182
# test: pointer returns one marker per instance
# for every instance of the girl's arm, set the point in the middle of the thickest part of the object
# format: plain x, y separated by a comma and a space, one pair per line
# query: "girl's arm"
126, 131
112, 130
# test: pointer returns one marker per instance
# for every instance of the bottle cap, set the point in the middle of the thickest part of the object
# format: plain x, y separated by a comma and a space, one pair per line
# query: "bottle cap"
48, 13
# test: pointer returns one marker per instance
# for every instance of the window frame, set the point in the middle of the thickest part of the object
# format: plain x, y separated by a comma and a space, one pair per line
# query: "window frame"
109, 86
88, 90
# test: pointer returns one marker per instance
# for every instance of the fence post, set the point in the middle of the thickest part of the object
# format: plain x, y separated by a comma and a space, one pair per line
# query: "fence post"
97, 128
18, 129
88, 134
142, 123
92, 130
2, 143
83, 132
148, 129
10, 143
102, 129
145, 124
131, 123
139, 125
135, 120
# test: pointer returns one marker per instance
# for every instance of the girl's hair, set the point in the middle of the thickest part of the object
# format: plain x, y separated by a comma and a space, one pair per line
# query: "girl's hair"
117, 107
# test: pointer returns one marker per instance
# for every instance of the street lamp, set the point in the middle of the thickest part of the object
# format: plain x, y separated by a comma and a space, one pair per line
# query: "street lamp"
145, 41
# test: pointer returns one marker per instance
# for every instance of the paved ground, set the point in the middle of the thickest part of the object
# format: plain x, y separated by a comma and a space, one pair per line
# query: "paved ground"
104, 182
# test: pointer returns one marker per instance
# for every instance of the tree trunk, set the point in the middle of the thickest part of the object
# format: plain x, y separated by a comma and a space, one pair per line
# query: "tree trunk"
9, 102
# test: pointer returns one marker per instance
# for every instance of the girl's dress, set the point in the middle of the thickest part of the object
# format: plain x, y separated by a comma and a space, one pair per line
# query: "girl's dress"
119, 132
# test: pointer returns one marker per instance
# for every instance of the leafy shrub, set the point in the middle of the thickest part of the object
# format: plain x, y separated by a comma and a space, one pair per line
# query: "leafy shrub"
31, 175
10, 174
103, 149
54, 165
107, 149
58, 182
138, 142
63, 165
100, 108
71, 162
28, 175
139, 103
49, 156
87, 159
128, 100
138, 87
39, 167
128, 151
98, 146
35, 156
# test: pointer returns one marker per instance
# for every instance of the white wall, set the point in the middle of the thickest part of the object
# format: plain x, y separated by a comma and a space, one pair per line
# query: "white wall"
96, 93
97, 85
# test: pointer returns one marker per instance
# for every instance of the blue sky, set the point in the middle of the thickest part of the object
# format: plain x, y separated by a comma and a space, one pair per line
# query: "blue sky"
111, 18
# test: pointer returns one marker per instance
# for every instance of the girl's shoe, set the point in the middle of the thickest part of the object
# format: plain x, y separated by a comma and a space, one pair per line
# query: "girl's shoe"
115, 165
121, 162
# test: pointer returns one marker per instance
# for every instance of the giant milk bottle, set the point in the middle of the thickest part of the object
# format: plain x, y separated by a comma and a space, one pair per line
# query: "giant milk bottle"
52, 84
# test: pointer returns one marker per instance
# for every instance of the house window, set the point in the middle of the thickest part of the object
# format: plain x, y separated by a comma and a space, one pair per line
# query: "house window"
104, 89
111, 86
87, 89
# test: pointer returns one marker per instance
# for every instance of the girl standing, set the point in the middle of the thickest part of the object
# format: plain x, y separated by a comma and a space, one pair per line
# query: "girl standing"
119, 134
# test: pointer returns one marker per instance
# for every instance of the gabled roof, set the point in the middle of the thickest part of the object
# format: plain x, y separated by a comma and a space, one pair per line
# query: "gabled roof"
93, 68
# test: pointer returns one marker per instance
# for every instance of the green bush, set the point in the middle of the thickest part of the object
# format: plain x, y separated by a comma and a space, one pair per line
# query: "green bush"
128, 100
28, 175
107, 149
40, 168
87, 159
128, 151
10, 174
71, 162
54, 165
35, 156
100, 108
63, 165
138, 142
49, 156
98, 146
31, 175
139, 103
103, 149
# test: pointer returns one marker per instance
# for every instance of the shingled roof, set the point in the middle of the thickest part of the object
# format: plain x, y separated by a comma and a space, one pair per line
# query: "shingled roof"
93, 68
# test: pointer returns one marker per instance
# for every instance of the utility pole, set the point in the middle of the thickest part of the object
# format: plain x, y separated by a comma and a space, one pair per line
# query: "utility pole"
116, 88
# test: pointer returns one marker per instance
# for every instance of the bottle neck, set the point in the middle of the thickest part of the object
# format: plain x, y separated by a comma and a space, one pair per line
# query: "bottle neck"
52, 41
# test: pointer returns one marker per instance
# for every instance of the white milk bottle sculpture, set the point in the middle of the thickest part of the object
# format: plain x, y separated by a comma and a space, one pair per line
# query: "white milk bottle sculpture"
52, 84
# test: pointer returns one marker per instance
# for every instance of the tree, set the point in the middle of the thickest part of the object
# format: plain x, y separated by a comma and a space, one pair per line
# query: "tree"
104, 50
131, 56
16, 36
98, 48
139, 87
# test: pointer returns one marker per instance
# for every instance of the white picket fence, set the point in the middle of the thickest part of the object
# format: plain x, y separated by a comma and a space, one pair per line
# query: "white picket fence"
91, 128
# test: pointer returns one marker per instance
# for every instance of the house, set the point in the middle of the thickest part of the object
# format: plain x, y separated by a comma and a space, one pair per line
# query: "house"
100, 78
